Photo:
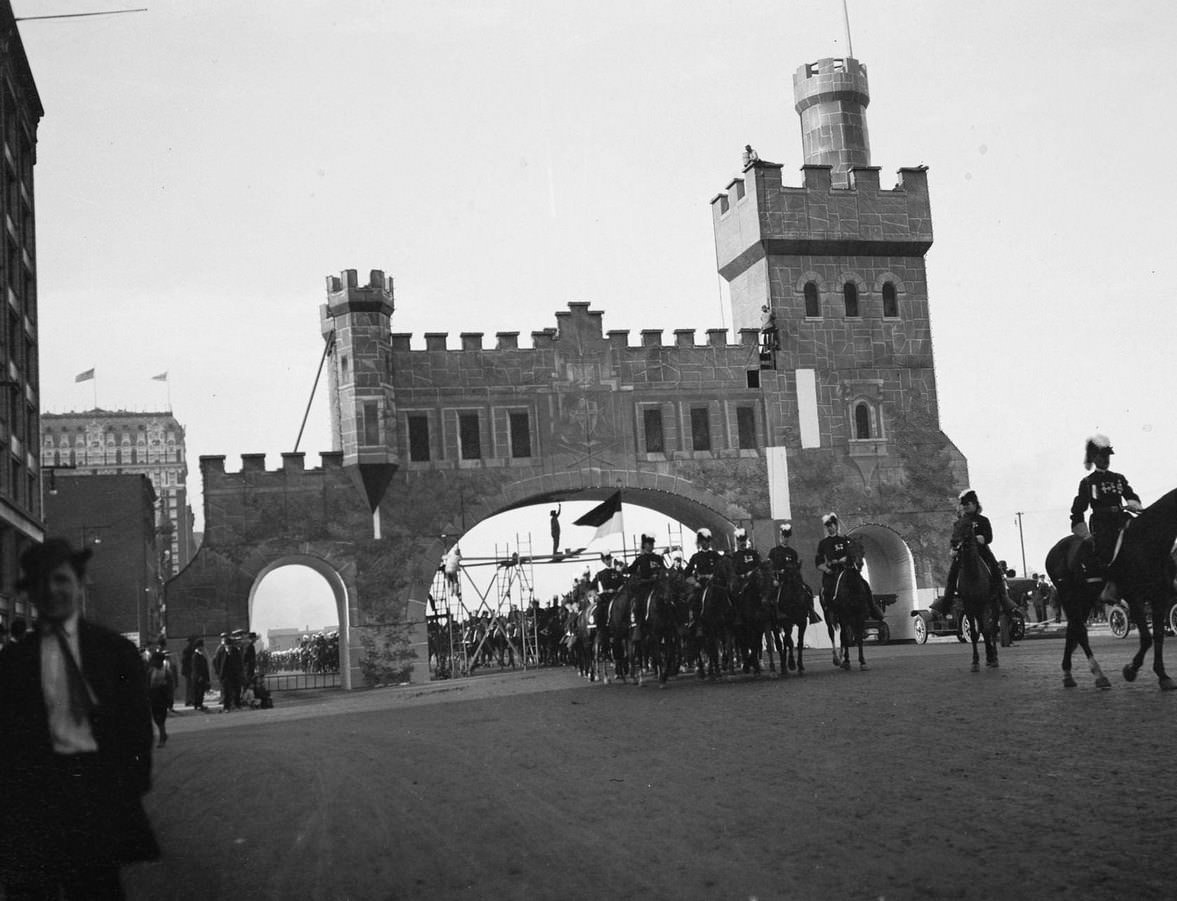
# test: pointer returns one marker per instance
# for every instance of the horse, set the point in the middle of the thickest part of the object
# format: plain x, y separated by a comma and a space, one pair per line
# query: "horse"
1143, 571
1074, 569
848, 608
711, 616
790, 600
748, 620
619, 616
975, 587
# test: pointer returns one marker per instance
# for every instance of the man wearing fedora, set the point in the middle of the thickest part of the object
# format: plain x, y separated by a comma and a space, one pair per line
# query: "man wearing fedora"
75, 743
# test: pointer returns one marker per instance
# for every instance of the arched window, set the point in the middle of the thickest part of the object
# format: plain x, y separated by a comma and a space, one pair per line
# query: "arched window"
812, 304
850, 293
861, 421
890, 300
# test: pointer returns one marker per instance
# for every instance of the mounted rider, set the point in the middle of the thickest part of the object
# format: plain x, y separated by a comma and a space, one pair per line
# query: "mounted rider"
608, 580
1108, 494
648, 569
705, 562
969, 507
745, 562
784, 559
836, 554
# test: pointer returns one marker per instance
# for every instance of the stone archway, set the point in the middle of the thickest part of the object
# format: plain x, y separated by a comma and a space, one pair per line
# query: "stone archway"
338, 591
891, 570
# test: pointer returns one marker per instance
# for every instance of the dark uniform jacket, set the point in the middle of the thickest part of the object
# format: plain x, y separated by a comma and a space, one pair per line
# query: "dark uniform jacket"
783, 558
103, 822
609, 580
982, 528
647, 567
831, 548
703, 564
1104, 492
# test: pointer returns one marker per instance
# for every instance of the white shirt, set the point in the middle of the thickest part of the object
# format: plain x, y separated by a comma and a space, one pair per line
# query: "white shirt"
69, 735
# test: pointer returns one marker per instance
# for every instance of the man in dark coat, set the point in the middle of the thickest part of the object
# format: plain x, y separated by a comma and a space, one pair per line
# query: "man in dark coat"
75, 743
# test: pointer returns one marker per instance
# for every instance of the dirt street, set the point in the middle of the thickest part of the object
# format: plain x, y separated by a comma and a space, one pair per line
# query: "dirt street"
916, 779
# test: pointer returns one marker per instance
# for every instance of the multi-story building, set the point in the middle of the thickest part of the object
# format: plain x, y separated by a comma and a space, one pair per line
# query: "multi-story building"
20, 489
114, 516
106, 442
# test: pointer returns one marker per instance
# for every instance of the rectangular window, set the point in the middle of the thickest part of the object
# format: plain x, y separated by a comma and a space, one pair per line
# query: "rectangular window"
468, 436
371, 424
746, 428
700, 429
652, 420
520, 435
419, 439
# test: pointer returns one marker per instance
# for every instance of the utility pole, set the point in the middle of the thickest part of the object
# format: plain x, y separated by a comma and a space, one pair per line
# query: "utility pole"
1022, 541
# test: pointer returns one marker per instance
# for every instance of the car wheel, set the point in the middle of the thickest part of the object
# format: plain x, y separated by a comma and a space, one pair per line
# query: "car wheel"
966, 631
921, 630
1173, 619
1017, 627
1118, 621
884, 633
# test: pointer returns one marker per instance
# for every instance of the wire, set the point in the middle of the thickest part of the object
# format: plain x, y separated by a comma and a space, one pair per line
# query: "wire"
109, 12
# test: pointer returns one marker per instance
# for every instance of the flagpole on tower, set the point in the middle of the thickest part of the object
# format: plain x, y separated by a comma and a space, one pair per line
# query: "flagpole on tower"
846, 22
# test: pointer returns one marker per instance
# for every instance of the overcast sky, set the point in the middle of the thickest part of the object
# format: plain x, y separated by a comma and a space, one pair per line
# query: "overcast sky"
204, 165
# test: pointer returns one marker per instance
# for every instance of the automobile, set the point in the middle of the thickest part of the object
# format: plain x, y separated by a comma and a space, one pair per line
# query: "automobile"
929, 622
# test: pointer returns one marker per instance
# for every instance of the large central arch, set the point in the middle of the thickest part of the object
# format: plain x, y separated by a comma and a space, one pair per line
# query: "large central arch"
891, 569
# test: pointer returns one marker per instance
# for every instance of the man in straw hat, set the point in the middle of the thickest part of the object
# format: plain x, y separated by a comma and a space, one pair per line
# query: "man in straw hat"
75, 743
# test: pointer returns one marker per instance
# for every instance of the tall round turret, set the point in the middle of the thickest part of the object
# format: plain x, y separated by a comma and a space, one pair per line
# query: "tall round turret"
831, 96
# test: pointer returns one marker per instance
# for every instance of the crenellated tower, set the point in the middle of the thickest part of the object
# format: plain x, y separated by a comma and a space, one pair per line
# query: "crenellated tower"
831, 96
356, 323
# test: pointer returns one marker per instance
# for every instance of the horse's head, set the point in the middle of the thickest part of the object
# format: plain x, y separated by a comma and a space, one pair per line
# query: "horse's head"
962, 532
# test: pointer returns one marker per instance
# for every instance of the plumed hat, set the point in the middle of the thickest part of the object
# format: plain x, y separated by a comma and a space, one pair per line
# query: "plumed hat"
740, 534
829, 518
606, 557
41, 559
1096, 445
647, 539
786, 528
968, 496
703, 535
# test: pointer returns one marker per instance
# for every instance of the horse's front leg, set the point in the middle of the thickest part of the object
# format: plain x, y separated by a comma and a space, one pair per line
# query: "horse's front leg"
1136, 611
862, 665
1159, 608
974, 629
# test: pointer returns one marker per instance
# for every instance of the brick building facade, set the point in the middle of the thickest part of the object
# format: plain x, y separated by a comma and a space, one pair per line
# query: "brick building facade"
20, 486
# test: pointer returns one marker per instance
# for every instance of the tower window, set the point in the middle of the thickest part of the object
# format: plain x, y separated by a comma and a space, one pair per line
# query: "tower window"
371, 424
850, 293
890, 300
700, 429
652, 423
520, 435
861, 421
812, 304
468, 436
723, 204
419, 439
746, 428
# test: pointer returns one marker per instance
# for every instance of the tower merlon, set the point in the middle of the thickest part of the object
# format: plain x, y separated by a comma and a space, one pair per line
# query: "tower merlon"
346, 294
471, 340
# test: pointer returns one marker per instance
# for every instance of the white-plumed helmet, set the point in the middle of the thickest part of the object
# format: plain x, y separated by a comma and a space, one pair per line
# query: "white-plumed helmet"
786, 528
1096, 445
740, 534
829, 518
703, 535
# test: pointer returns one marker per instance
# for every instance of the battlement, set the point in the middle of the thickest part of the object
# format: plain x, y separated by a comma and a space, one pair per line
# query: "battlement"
820, 217
346, 294
577, 327
214, 465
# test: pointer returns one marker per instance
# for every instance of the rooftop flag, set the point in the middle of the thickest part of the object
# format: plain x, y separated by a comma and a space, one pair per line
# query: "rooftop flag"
84, 376
162, 377
606, 517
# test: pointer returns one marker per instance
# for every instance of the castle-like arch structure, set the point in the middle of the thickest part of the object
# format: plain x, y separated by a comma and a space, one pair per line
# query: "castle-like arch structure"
834, 408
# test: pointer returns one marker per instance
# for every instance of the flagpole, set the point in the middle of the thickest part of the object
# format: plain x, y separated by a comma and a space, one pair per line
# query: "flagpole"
621, 516
94, 385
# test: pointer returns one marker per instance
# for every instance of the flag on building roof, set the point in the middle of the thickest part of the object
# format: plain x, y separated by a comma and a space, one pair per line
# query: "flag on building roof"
84, 376
606, 517
162, 377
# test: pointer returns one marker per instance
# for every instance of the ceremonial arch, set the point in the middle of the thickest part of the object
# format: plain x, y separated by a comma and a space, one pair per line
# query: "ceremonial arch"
822, 398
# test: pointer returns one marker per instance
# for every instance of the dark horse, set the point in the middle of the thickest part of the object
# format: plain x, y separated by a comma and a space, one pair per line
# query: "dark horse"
789, 599
711, 619
848, 608
1143, 571
975, 586
1075, 571
749, 619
